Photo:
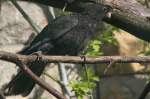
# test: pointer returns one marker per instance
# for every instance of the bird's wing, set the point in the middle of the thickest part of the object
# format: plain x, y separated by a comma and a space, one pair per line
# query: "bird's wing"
54, 30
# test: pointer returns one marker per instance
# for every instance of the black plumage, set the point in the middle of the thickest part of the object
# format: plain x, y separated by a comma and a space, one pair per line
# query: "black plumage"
66, 35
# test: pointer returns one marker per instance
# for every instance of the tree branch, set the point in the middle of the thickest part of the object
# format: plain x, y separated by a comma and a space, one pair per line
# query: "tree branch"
11, 57
129, 15
39, 81
20, 60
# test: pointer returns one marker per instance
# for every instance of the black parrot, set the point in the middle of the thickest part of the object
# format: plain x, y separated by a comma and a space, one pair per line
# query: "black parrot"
66, 35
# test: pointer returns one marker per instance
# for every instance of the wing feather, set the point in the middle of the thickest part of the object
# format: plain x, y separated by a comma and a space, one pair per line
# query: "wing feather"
54, 30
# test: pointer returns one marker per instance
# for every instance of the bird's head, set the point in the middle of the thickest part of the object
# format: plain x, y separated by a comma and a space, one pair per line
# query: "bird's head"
98, 11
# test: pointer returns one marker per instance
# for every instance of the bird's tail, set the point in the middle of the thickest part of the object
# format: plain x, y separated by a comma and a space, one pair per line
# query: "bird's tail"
22, 83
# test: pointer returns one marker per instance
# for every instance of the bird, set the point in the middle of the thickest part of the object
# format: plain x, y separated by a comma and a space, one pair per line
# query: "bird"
65, 35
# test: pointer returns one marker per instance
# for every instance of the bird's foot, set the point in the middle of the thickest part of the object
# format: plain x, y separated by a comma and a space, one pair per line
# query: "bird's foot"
84, 60
38, 54
83, 57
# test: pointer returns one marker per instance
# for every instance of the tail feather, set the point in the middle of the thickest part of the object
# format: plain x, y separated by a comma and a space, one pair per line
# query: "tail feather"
22, 83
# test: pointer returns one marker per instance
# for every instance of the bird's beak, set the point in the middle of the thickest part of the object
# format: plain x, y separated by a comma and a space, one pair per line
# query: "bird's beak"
108, 15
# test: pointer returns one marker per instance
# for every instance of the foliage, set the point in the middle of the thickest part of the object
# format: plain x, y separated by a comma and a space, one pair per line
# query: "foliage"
83, 86
90, 74
94, 46
146, 49
147, 52
148, 79
107, 35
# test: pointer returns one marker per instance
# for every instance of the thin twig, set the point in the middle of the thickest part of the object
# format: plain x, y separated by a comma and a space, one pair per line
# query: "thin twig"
147, 3
29, 20
57, 81
39, 81
124, 74
85, 68
110, 65
11, 57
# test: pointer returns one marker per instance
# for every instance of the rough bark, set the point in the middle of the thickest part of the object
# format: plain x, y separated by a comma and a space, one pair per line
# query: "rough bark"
128, 15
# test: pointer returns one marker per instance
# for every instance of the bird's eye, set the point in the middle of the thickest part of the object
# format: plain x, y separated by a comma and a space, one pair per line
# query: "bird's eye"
105, 9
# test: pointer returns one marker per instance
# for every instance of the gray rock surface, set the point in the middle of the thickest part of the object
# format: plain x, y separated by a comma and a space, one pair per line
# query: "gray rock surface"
128, 87
14, 32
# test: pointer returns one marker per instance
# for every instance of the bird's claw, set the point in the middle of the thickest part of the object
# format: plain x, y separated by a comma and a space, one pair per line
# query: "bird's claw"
38, 54
84, 58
